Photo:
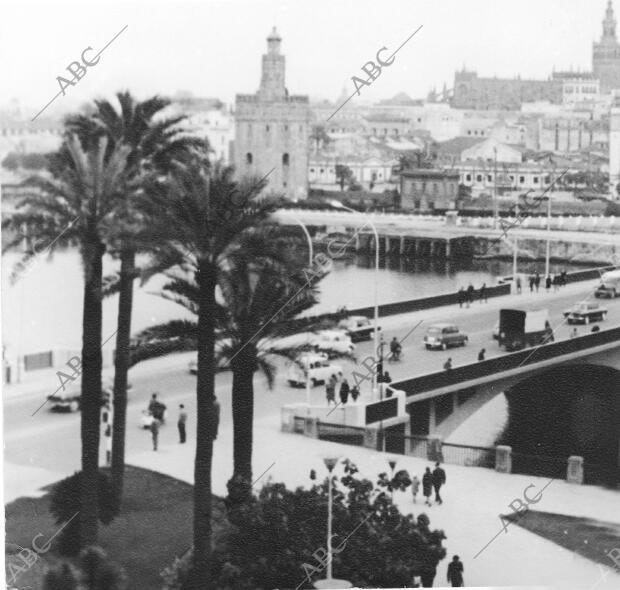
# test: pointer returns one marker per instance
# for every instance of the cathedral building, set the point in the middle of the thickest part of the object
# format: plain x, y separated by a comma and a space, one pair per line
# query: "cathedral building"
606, 54
272, 129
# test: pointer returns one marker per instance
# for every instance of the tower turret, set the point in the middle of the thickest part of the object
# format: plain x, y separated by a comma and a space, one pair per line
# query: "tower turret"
272, 78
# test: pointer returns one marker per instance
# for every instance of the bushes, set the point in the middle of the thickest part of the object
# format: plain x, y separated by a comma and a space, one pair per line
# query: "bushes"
277, 540
65, 503
94, 572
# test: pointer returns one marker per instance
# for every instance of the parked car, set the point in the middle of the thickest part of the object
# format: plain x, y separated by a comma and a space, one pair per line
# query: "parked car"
68, 399
444, 335
585, 313
610, 285
332, 341
318, 367
358, 327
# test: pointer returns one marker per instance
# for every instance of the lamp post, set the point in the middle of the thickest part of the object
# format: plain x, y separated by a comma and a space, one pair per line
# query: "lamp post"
310, 262
495, 188
515, 254
339, 205
548, 230
329, 582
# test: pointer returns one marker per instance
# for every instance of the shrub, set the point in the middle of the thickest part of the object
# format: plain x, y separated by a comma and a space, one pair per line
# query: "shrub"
65, 503
277, 540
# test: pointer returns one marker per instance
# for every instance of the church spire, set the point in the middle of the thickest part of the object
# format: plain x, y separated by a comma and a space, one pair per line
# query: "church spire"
609, 23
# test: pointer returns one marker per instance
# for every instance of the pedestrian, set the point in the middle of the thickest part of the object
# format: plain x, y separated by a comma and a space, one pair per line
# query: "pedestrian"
330, 390
519, 285
108, 444
573, 333
595, 329
355, 392
344, 391
470, 294
481, 354
461, 296
439, 478
153, 404
563, 280
455, 572
181, 423
556, 283
547, 283
427, 486
537, 281
415, 486
448, 364
155, 432
483, 293
532, 283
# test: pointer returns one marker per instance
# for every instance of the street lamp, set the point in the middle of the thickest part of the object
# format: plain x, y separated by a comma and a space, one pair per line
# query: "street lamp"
548, 230
311, 262
339, 205
329, 582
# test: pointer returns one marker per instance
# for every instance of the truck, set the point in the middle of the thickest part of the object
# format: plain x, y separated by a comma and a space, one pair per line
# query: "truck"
610, 285
519, 328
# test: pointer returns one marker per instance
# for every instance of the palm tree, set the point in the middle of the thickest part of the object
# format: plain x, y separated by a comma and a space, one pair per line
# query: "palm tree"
154, 142
199, 223
77, 204
264, 288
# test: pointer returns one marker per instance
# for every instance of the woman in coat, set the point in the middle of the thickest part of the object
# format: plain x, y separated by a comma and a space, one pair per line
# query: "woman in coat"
427, 485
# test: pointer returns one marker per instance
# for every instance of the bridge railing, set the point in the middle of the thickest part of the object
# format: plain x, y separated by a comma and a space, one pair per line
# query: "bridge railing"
425, 383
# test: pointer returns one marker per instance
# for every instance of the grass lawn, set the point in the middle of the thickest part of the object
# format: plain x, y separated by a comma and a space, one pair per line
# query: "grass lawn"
155, 526
589, 538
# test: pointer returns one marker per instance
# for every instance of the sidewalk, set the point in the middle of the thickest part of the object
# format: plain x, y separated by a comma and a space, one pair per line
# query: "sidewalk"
474, 497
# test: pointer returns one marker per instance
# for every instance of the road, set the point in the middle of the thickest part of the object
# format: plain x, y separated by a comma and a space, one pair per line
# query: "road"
51, 441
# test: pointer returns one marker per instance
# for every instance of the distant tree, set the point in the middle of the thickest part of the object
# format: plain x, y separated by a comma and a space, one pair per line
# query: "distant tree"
319, 136
344, 174
33, 161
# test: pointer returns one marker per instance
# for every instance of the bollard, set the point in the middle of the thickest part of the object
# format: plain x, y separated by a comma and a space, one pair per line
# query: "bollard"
575, 470
503, 459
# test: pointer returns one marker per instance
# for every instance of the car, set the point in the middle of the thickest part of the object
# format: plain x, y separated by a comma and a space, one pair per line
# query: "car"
585, 312
68, 398
444, 335
317, 366
358, 327
332, 342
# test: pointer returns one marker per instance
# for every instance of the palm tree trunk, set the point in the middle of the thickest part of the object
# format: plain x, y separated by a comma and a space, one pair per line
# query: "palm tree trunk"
243, 420
207, 417
91, 391
121, 368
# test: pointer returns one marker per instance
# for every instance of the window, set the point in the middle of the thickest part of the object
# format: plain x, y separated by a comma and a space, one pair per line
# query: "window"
286, 128
395, 131
311, 169
512, 178
547, 179
419, 120
489, 178
385, 131
521, 179
469, 132
285, 160
266, 127
435, 188
284, 184
468, 177
321, 170
478, 177
248, 158
535, 179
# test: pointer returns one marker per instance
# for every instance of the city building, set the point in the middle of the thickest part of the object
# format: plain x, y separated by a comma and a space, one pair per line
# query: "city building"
578, 87
606, 54
425, 189
272, 129
614, 149
568, 134
372, 173
493, 150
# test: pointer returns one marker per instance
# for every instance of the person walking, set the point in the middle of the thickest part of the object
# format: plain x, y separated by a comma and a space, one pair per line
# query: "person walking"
556, 283
330, 390
448, 364
415, 487
532, 283
519, 285
427, 486
537, 281
344, 392
483, 293
355, 392
461, 296
547, 283
181, 423
439, 478
155, 432
153, 404
470, 294
481, 354
573, 333
455, 572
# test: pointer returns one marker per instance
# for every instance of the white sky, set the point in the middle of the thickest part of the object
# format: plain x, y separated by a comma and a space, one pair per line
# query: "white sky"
213, 48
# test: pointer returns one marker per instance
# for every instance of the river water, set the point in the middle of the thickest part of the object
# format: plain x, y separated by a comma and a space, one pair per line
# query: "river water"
43, 309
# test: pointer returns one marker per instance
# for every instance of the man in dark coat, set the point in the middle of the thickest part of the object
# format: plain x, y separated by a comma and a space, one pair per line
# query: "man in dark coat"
427, 486
439, 478
470, 294
455, 572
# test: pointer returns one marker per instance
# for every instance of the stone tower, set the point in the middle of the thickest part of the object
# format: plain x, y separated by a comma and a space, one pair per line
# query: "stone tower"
606, 54
272, 129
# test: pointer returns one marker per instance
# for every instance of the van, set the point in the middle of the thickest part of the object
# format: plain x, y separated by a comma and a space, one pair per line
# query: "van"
318, 367
610, 285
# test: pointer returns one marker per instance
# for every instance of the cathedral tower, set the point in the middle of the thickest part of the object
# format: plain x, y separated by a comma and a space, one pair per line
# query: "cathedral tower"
606, 54
272, 128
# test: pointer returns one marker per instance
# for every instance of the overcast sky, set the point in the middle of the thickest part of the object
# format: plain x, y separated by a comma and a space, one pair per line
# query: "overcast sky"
214, 48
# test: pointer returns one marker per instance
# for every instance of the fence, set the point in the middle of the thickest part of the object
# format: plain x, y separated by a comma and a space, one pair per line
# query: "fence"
467, 455
39, 360
352, 435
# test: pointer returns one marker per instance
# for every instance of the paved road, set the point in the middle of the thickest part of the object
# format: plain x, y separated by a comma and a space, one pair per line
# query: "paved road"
51, 441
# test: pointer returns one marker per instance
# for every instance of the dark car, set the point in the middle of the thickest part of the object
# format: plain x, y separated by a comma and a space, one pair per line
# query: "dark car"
444, 335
